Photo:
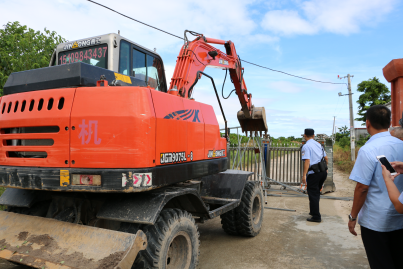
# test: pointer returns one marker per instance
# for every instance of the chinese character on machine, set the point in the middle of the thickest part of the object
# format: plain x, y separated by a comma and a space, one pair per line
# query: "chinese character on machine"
86, 131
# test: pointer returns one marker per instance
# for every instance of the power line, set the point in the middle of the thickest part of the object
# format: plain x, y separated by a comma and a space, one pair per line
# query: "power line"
335, 109
158, 29
134, 19
344, 99
292, 74
337, 106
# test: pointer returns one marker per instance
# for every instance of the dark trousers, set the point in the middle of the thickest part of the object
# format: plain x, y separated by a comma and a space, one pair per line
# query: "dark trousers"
314, 184
384, 249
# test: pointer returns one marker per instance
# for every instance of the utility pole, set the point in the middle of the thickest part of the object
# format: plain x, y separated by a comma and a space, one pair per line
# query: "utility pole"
333, 130
352, 130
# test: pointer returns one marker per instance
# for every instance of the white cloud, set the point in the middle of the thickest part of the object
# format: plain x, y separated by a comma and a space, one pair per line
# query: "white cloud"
284, 86
169, 71
334, 16
76, 19
267, 39
287, 22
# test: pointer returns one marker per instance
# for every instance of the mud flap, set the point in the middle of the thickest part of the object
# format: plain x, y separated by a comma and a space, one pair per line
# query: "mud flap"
47, 243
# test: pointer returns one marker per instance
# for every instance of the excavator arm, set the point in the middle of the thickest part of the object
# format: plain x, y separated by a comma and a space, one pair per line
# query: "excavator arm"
198, 54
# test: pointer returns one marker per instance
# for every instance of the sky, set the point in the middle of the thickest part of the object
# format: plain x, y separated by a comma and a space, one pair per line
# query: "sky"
317, 39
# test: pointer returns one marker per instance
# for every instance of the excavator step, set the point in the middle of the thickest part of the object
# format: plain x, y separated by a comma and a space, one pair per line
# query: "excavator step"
47, 243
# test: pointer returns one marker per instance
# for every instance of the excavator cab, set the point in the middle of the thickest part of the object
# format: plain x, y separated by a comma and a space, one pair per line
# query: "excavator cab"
113, 52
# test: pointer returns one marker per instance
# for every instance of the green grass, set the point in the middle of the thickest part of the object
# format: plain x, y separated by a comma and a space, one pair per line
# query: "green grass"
342, 158
2, 189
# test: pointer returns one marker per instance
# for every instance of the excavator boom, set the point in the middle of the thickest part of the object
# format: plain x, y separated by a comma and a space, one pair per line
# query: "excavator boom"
196, 56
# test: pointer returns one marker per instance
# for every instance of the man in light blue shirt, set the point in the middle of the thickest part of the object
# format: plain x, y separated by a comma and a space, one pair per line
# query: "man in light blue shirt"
381, 224
312, 153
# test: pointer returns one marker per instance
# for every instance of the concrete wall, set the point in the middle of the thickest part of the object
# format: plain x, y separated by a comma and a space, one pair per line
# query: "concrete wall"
360, 132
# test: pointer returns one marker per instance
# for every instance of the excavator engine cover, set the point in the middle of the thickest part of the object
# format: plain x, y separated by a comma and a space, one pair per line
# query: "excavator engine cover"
256, 123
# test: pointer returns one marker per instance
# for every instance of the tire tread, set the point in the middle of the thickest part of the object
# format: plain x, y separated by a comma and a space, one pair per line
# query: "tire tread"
149, 258
239, 221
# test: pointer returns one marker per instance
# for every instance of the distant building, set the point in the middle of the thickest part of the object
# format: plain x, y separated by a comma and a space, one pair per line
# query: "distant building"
360, 132
389, 105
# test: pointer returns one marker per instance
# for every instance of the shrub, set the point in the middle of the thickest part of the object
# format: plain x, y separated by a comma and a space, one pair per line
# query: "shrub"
361, 142
342, 158
344, 142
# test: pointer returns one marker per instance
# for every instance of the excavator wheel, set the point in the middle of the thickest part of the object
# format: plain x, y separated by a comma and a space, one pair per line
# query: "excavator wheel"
247, 218
173, 242
228, 222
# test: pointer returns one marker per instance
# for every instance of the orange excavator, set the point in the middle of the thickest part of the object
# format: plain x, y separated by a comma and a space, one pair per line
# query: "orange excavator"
104, 167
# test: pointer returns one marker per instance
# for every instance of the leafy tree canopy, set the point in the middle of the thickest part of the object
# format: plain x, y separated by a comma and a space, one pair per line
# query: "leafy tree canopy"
374, 92
22, 48
344, 130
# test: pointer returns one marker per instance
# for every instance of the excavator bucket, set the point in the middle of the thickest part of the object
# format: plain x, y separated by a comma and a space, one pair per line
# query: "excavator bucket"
47, 243
255, 123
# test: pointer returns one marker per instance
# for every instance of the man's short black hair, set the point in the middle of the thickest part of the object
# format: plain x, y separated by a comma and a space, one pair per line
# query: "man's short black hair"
309, 132
379, 117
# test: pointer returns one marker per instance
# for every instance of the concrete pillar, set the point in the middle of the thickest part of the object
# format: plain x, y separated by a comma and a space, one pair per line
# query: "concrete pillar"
393, 73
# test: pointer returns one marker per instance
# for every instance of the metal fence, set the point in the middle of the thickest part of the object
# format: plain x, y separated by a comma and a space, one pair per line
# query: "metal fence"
278, 161
283, 164
246, 159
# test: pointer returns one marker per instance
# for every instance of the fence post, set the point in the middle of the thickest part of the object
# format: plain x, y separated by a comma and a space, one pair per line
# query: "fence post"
228, 156
266, 143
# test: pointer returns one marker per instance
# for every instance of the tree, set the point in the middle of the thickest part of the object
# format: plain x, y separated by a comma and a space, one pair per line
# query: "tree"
343, 137
22, 48
344, 130
374, 92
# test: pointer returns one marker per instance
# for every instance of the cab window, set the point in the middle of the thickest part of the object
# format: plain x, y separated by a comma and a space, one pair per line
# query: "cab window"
153, 66
124, 60
145, 68
139, 65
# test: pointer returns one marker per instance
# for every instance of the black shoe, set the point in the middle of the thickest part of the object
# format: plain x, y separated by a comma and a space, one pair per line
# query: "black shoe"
314, 220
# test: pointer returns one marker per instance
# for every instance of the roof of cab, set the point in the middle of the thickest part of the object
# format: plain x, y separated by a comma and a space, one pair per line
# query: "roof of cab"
98, 40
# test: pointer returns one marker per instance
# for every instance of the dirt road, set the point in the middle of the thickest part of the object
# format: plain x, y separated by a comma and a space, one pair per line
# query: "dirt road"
287, 240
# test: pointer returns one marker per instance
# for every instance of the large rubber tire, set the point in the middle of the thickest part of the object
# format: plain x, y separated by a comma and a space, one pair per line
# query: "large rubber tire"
228, 222
247, 218
173, 242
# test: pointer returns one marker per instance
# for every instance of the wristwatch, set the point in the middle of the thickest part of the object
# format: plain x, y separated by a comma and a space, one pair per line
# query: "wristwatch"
351, 218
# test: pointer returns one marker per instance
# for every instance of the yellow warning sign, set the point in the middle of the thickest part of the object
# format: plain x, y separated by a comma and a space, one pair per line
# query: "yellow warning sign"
64, 178
75, 45
123, 78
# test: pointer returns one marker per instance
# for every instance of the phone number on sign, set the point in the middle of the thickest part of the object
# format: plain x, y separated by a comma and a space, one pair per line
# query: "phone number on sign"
79, 56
